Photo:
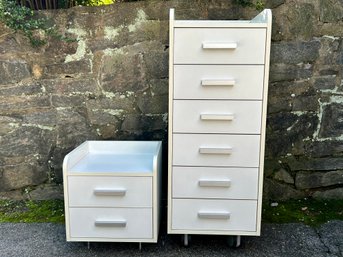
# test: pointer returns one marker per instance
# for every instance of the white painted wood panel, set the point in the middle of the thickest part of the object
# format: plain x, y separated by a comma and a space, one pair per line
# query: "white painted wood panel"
216, 60
215, 182
107, 191
189, 82
212, 215
213, 116
111, 223
190, 46
244, 150
112, 191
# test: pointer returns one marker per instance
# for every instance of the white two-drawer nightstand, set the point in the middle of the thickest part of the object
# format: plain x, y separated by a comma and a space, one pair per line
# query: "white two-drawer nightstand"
218, 72
112, 191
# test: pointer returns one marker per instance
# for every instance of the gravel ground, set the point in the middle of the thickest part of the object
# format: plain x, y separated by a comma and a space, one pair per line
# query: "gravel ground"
48, 240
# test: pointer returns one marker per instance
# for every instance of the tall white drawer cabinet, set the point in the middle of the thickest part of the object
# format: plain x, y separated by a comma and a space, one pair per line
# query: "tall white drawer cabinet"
218, 84
112, 191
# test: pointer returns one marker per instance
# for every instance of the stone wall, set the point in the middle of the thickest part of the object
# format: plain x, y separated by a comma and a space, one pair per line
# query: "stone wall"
112, 83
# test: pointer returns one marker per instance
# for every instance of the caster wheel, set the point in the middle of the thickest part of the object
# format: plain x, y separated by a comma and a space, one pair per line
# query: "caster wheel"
234, 241
185, 240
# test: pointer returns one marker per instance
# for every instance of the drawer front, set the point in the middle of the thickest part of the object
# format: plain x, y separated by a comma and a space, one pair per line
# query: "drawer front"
214, 215
111, 222
110, 191
210, 182
210, 116
216, 150
218, 82
219, 46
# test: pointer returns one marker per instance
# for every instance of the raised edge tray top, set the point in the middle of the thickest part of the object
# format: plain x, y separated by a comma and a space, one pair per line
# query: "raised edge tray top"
107, 162
113, 156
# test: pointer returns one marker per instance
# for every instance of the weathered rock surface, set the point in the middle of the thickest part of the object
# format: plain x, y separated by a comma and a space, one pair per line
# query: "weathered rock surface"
306, 180
283, 176
329, 194
278, 191
112, 84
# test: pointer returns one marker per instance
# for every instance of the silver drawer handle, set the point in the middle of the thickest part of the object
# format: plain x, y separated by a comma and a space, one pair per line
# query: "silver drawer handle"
110, 223
215, 150
109, 192
219, 117
214, 215
214, 183
218, 82
208, 45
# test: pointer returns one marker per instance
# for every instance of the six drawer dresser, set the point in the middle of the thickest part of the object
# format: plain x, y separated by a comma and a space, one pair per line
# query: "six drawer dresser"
218, 73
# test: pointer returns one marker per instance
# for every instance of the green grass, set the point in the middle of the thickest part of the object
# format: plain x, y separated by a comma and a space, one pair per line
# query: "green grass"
308, 211
32, 211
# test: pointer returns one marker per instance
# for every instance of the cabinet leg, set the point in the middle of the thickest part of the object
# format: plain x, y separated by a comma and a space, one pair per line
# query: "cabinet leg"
238, 243
140, 246
234, 241
89, 245
186, 239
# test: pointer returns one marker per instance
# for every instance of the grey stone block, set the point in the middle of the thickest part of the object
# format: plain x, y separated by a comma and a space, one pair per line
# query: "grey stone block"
13, 71
306, 179
336, 193
46, 192
22, 175
277, 191
326, 82
331, 11
60, 70
332, 121
295, 52
285, 72
315, 164
283, 176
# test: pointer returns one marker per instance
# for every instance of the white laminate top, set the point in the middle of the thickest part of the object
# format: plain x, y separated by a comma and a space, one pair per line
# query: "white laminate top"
130, 163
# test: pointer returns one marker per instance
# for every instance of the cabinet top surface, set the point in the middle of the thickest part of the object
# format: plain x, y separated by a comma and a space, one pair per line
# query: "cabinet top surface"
113, 157
218, 24
119, 163
262, 20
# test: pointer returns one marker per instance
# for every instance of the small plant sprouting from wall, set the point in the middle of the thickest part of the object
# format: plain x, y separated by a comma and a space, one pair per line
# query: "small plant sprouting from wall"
95, 2
23, 19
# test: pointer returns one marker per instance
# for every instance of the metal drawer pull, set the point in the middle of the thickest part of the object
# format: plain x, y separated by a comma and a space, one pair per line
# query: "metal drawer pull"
212, 116
216, 82
214, 183
110, 223
109, 192
214, 215
207, 45
215, 150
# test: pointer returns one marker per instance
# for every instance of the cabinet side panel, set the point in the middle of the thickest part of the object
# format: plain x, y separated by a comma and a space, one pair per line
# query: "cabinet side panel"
157, 191
170, 118
264, 118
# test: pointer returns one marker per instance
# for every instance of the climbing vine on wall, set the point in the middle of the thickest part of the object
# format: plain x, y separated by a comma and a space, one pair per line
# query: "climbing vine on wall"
23, 19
